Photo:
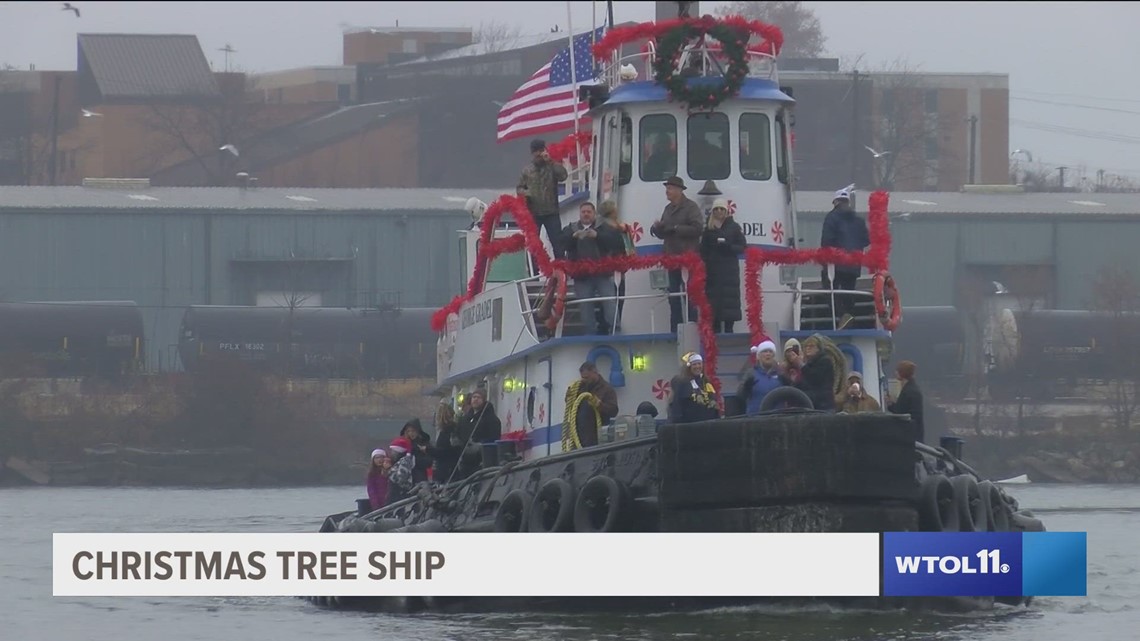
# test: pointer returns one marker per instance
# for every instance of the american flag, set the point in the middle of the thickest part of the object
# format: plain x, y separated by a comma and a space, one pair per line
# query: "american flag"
545, 102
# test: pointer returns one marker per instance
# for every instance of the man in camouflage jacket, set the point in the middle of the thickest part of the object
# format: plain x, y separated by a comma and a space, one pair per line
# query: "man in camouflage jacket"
539, 184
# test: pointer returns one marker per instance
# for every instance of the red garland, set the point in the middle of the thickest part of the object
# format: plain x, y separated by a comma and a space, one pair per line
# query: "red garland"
772, 37
876, 258
491, 249
566, 150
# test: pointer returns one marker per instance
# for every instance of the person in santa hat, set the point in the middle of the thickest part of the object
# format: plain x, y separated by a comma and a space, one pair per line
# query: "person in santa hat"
401, 478
378, 478
761, 379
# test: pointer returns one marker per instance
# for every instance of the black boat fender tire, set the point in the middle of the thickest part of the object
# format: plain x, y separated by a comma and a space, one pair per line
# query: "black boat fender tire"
513, 512
793, 396
598, 494
968, 501
556, 492
936, 509
997, 514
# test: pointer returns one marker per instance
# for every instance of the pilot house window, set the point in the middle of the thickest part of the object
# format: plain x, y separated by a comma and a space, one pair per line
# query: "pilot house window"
625, 168
755, 147
708, 147
658, 147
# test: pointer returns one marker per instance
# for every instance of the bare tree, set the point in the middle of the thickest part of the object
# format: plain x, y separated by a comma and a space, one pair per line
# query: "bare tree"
803, 35
496, 36
972, 303
1116, 292
906, 129
1029, 285
199, 129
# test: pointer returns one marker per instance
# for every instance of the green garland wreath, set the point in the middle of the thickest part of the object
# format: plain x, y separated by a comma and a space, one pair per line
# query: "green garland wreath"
704, 95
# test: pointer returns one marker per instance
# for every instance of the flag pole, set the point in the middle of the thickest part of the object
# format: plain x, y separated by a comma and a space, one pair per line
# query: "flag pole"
573, 82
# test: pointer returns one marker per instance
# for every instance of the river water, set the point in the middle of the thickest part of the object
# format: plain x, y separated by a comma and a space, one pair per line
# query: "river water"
29, 612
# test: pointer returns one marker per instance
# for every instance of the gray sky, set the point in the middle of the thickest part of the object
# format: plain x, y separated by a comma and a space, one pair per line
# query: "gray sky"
1057, 54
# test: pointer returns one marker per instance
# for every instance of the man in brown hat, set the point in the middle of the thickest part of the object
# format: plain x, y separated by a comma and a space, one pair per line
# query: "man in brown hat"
680, 227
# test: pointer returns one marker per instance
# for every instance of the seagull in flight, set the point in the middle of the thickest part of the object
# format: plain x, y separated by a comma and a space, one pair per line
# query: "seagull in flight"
230, 148
876, 154
67, 7
89, 114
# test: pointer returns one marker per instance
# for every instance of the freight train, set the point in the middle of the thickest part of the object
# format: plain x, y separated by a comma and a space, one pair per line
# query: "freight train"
312, 342
70, 339
1041, 354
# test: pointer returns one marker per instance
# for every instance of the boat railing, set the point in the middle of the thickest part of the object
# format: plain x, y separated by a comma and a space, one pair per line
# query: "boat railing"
577, 178
837, 294
700, 60
661, 298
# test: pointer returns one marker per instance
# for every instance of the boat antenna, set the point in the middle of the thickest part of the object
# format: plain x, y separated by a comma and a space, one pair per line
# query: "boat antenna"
573, 81
609, 14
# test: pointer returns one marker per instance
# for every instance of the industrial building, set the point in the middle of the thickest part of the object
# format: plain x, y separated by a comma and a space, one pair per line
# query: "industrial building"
167, 248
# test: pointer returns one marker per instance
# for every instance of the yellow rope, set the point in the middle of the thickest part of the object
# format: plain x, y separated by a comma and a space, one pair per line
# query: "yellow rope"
574, 399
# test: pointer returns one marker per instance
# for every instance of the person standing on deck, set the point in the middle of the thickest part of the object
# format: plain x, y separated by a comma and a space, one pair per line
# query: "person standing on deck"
818, 374
692, 397
401, 477
600, 397
610, 216
844, 230
909, 400
378, 478
447, 445
421, 443
855, 399
722, 243
680, 228
587, 240
478, 425
539, 185
761, 379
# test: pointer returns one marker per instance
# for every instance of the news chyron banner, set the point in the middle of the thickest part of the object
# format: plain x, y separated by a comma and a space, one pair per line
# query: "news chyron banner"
904, 564
985, 564
455, 564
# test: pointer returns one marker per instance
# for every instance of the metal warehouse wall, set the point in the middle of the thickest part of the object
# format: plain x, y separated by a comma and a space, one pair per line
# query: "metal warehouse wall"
926, 254
168, 261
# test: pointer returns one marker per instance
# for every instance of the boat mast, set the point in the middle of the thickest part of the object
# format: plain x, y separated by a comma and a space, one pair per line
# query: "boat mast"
573, 81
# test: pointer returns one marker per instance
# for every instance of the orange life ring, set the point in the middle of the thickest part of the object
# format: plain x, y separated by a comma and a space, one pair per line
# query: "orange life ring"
887, 296
553, 300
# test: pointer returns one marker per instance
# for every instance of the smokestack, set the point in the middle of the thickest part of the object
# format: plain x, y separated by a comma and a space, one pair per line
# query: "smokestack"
669, 10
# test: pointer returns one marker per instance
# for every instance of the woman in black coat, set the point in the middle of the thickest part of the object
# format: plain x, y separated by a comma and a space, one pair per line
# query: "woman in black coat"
722, 243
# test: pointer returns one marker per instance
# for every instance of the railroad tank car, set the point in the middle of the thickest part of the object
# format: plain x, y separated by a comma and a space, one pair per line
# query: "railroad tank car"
1048, 353
67, 339
312, 342
934, 338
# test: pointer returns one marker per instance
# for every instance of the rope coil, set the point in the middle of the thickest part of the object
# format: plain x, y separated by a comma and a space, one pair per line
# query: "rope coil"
574, 400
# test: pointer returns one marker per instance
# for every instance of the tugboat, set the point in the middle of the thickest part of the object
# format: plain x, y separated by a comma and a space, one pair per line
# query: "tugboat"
519, 338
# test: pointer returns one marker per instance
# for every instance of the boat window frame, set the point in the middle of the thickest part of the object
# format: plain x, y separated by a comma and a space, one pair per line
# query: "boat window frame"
742, 130
783, 159
641, 137
726, 137
625, 165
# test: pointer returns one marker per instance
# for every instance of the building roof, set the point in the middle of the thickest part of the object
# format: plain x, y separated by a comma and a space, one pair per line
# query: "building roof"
284, 143
302, 199
146, 65
954, 203
480, 48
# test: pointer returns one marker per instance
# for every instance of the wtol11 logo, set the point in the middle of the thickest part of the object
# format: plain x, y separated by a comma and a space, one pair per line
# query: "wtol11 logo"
984, 564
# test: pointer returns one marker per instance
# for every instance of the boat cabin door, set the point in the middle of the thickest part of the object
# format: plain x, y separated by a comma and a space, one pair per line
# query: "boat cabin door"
609, 141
